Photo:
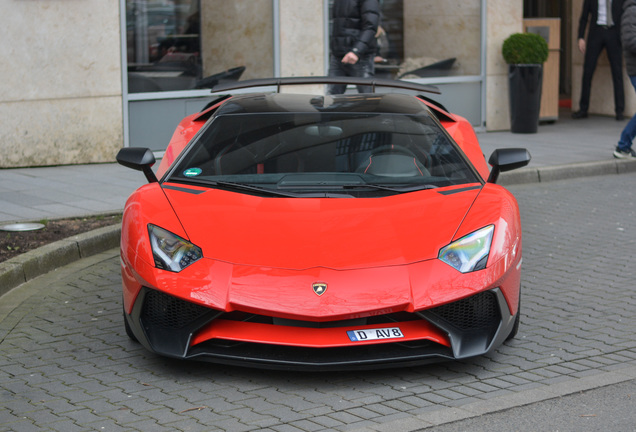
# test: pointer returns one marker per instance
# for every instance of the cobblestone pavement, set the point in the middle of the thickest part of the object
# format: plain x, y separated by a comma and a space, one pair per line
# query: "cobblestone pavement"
66, 363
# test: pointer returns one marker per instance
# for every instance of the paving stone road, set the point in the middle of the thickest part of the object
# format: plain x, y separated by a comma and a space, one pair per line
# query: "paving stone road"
66, 363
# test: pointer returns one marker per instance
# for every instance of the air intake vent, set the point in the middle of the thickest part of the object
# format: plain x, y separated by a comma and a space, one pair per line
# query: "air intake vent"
476, 312
167, 312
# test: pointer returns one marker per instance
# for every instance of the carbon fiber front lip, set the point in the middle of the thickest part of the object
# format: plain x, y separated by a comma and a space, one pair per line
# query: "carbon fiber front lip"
380, 356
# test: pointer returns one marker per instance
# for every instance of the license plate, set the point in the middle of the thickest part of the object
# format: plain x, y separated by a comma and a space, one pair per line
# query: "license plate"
374, 334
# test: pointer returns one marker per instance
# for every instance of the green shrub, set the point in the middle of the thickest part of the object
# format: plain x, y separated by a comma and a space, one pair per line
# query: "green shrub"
525, 48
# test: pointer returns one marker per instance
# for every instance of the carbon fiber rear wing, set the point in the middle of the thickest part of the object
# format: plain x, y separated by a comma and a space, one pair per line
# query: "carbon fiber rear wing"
278, 82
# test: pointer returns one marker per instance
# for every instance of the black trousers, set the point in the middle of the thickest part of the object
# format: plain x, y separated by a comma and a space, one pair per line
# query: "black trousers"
598, 38
364, 68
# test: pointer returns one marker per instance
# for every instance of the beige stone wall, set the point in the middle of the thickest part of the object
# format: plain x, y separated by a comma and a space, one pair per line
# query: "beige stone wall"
602, 92
60, 82
302, 38
237, 33
504, 17
443, 29
302, 42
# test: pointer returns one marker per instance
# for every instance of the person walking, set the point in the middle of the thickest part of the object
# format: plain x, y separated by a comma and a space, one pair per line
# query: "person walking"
604, 32
352, 42
628, 38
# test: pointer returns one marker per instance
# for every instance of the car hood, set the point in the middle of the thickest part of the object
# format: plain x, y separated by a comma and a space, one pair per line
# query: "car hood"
336, 233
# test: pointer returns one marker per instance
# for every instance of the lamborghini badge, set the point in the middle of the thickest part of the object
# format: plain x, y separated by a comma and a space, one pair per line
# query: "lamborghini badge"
319, 288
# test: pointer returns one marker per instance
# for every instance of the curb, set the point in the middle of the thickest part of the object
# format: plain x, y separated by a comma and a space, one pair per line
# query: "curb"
444, 416
37, 262
564, 172
29, 265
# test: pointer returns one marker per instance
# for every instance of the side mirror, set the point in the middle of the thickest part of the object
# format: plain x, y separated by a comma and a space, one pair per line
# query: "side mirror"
503, 160
138, 158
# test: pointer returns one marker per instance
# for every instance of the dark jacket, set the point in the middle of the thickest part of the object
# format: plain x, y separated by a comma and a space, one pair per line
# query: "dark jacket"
590, 9
354, 25
628, 36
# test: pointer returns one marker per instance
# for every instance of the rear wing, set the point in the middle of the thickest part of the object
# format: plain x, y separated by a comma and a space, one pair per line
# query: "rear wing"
372, 82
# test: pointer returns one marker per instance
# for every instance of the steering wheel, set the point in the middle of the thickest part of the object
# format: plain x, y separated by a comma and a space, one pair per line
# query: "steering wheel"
393, 161
392, 149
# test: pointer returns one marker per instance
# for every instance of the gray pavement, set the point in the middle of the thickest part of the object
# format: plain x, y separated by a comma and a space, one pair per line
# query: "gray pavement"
34, 194
609, 408
66, 363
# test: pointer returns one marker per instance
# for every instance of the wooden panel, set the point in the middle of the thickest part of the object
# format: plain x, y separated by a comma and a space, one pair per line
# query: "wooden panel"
550, 88
554, 25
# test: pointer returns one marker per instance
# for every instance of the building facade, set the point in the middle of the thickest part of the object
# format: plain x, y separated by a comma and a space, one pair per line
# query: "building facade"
82, 80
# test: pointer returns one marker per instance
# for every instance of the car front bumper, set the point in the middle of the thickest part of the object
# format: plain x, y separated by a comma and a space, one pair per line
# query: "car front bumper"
172, 327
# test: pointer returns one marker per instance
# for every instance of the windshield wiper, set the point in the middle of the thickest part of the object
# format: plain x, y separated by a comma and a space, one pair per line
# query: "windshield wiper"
252, 188
240, 187
398, 189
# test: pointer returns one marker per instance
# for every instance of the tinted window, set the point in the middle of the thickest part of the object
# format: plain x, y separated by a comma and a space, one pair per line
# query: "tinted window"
325, 151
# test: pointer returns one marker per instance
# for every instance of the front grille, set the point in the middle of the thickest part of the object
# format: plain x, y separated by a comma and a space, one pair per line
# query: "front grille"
167, 312
476, 312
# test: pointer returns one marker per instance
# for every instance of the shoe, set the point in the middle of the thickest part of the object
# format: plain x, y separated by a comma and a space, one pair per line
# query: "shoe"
620, 117
624, 154
579, 114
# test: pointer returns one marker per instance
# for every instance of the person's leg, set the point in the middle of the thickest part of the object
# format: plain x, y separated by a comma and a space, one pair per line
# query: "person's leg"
615, 57
624, 147
336, 69
593, 50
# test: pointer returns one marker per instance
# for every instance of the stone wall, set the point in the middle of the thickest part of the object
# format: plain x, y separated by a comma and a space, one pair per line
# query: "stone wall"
302, 38
60, 86
504, 17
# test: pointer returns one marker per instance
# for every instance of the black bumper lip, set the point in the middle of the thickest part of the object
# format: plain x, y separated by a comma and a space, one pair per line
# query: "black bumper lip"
381, 356
465, 343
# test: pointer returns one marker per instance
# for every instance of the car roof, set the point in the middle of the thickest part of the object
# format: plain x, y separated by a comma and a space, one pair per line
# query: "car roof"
397, 103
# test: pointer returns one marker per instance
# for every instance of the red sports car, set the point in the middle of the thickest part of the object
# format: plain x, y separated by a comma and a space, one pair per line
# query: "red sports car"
322, 232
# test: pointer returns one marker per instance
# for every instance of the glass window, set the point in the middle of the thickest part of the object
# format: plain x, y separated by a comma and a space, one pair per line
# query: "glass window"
428, 38
163, 45
175, 45
440, 37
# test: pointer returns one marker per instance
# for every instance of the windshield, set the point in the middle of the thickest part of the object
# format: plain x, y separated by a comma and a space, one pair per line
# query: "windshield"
319, 154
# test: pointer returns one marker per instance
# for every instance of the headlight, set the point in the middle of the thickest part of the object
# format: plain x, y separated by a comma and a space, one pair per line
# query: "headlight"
170, 251
469, 253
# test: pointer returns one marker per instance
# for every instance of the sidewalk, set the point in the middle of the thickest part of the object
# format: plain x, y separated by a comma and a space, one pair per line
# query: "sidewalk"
69, 365
566, 148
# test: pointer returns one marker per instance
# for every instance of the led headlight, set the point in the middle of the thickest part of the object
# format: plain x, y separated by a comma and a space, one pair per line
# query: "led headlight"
469, 253
170, 251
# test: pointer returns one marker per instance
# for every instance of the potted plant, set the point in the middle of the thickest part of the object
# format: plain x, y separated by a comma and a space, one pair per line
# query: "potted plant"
525, 54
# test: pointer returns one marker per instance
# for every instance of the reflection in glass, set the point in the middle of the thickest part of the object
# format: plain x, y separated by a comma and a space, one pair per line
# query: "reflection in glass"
428, 38
163, 45
175, 45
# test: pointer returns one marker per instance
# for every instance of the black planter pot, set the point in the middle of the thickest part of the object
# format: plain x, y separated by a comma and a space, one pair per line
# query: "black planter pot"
525, 97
